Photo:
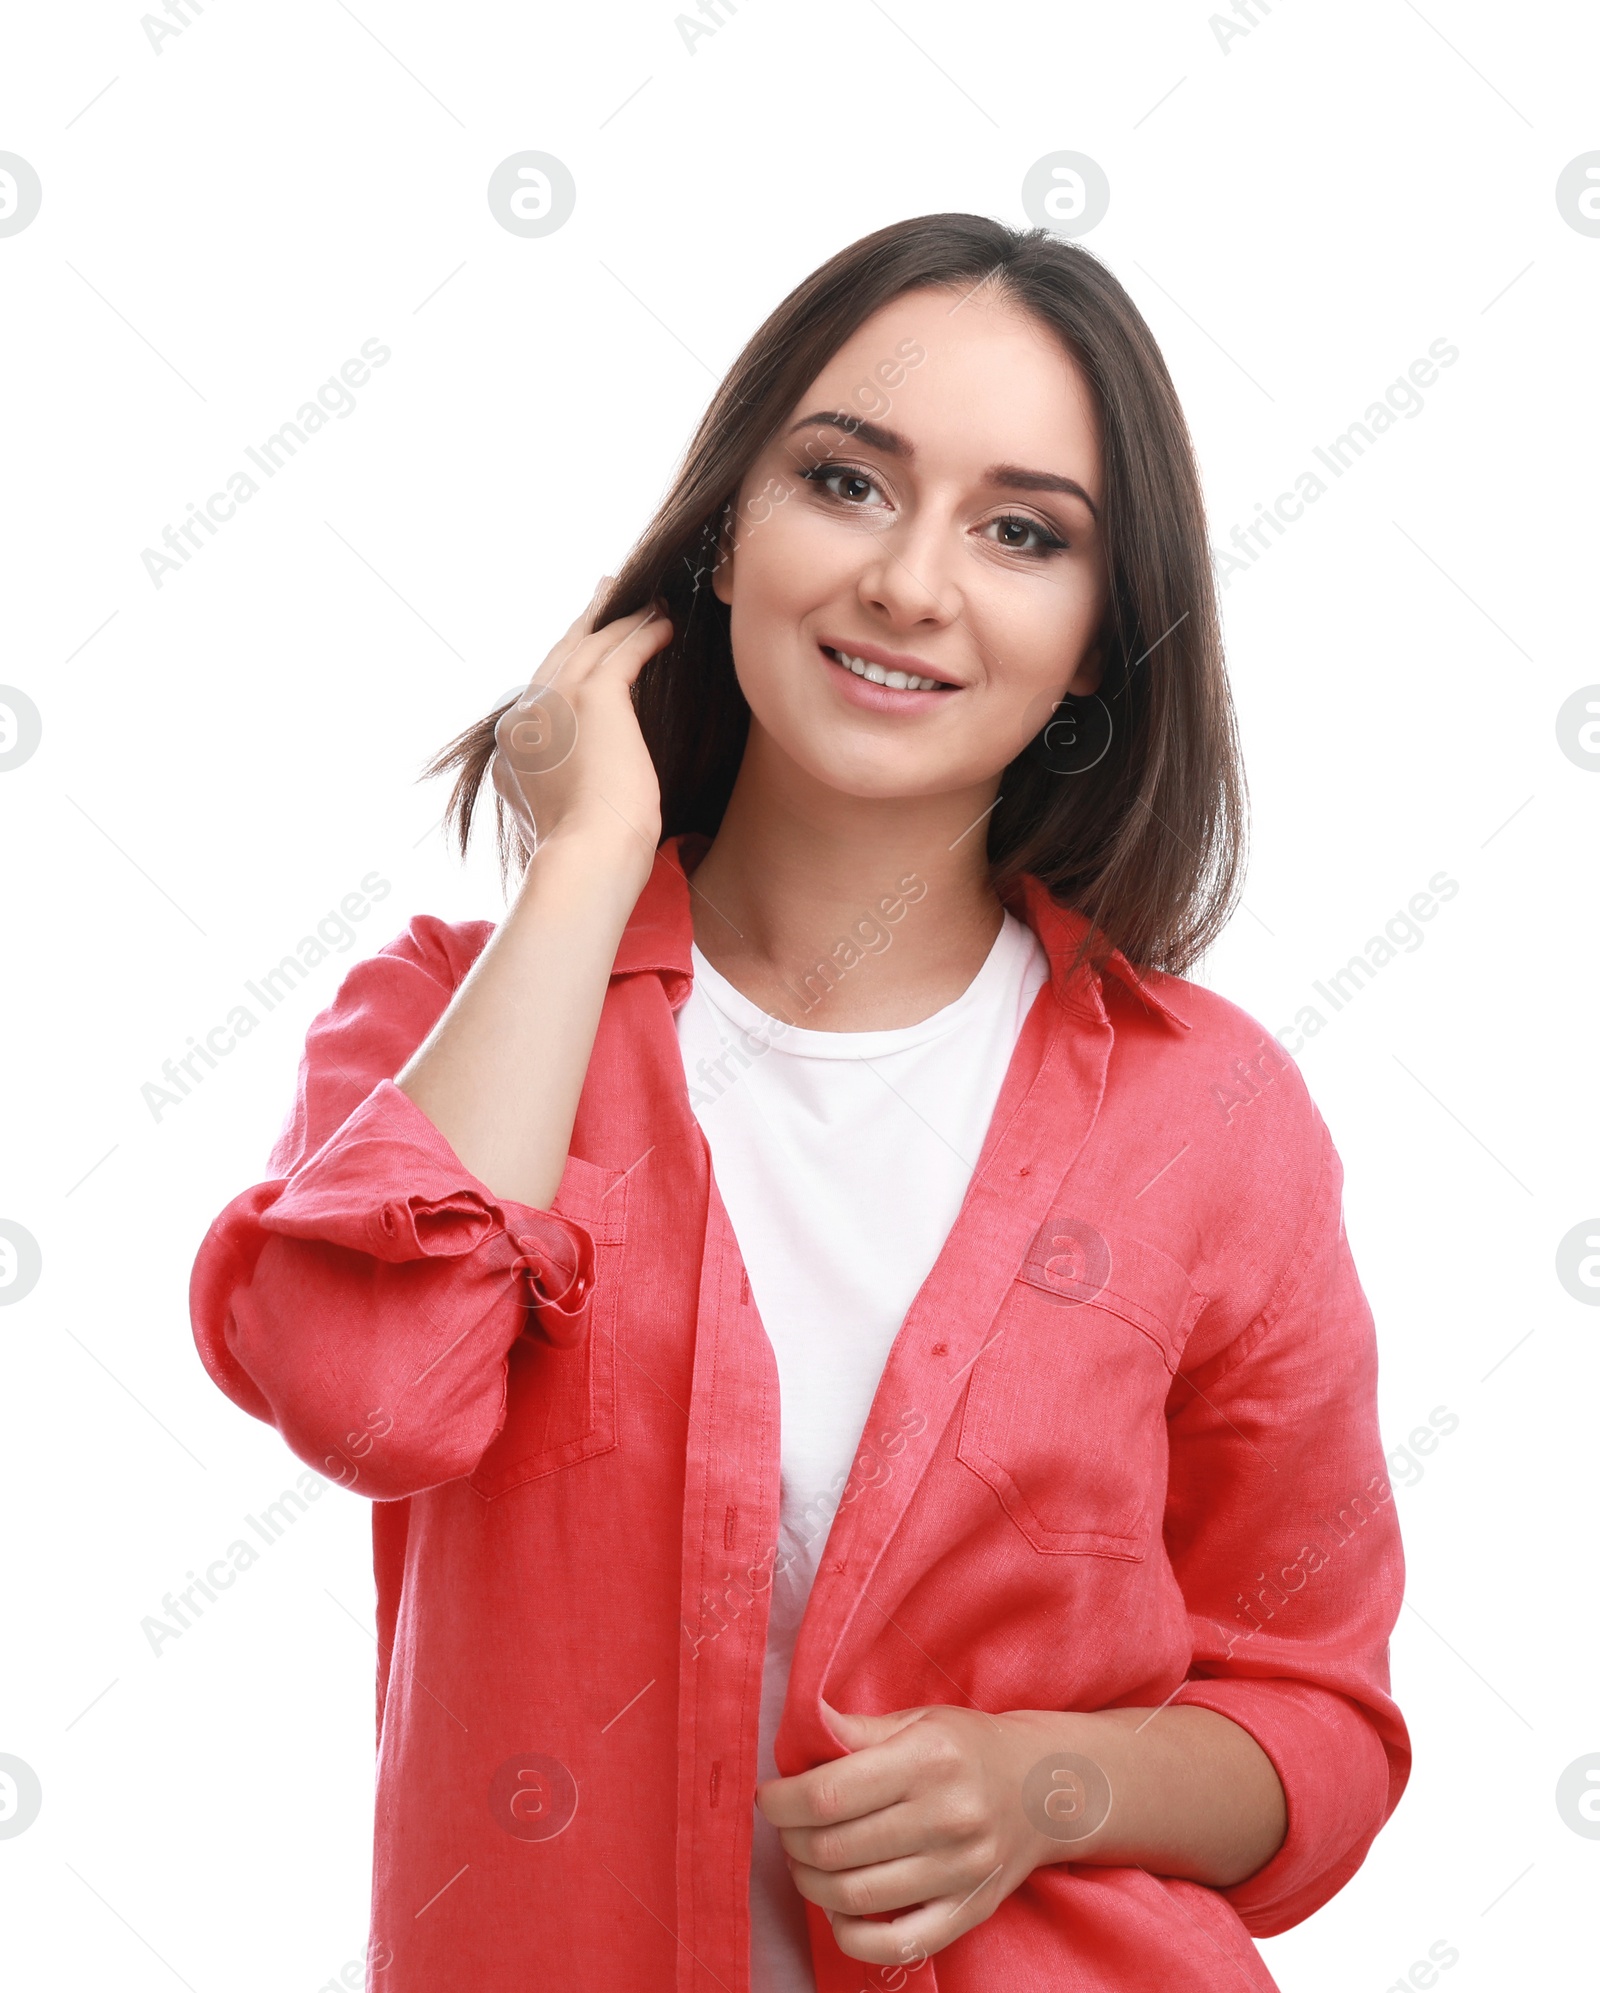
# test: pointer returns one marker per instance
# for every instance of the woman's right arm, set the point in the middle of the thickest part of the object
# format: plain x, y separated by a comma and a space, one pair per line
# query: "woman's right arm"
363, 1299
501, 1073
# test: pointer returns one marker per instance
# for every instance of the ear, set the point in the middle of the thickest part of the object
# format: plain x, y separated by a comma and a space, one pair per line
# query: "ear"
1091, 669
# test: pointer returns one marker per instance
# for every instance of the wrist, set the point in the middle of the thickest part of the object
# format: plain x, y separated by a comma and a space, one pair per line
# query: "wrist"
609, 860
1068, 1761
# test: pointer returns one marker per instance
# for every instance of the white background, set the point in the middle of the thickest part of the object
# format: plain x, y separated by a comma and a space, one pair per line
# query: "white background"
224, 223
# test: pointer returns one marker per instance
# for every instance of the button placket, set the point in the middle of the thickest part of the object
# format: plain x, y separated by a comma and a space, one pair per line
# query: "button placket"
731, 1484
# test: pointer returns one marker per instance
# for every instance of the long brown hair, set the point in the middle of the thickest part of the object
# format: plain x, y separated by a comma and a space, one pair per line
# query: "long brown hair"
1148, 842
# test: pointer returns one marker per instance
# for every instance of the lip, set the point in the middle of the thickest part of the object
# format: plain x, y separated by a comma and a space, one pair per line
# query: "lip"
891, 660
880, 698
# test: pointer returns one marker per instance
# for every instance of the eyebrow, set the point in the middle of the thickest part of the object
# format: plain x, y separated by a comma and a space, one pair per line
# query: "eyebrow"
1001, 477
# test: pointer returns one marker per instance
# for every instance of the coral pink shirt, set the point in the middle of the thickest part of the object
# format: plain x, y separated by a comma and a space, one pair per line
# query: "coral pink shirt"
1124, 1451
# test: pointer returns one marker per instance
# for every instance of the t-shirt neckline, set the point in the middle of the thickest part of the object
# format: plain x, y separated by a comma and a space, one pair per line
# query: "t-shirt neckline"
1013, 939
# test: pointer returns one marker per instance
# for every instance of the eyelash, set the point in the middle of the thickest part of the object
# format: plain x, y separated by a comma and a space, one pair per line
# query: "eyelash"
1049, 543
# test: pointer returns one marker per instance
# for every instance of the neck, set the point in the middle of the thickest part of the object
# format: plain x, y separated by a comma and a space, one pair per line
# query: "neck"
891, 893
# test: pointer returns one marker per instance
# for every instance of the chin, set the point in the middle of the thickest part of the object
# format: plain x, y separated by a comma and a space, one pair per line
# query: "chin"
874, 773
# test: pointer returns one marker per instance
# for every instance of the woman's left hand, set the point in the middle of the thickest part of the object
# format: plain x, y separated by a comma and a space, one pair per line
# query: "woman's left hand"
926, 1810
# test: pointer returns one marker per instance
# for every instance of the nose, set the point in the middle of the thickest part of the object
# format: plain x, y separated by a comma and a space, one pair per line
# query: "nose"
907, 575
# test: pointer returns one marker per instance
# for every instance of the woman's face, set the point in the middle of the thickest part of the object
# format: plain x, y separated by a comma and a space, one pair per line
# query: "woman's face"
951, 535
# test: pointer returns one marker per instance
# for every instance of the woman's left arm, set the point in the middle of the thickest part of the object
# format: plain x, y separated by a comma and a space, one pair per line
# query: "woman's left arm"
1269, 1770
950, 1809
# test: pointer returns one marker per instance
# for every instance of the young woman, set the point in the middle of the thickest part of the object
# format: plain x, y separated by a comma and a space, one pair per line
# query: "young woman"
868, 1407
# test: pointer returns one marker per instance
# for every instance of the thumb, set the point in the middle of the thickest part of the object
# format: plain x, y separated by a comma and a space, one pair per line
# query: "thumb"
602, 588
857, 1730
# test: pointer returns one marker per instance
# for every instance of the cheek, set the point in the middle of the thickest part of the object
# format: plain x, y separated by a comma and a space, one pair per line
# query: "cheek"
1032, 642
772, 589
788, 546
1035, 635
786, 566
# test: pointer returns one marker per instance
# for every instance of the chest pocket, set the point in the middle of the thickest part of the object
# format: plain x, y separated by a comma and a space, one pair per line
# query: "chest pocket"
561, 1405
1065, 1414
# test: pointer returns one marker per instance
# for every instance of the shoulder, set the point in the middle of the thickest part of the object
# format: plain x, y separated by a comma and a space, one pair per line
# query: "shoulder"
1259, 1181
1222, 1059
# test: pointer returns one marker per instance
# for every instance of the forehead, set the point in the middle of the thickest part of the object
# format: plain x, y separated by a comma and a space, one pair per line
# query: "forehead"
969, 379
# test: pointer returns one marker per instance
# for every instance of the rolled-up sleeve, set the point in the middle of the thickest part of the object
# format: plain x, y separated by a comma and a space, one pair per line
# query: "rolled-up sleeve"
1282, 1532
364, 1297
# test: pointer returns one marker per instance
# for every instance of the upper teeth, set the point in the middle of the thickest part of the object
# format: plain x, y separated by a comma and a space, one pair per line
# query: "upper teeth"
901, 681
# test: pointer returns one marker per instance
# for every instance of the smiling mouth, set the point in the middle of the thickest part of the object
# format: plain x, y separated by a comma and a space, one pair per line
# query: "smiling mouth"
896, 681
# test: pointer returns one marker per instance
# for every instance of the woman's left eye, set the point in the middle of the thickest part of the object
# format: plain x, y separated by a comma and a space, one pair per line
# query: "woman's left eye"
1013, 533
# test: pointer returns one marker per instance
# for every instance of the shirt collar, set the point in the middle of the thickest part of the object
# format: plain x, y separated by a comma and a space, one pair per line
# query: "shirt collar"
659, 932
1060, 929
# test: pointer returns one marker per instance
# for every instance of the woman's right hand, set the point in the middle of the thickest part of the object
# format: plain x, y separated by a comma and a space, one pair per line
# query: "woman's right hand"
569, 757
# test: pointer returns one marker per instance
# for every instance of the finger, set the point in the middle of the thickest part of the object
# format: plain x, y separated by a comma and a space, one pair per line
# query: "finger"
576, 655
843, 1789
911, 1939
888, 1835
873, 1887
857, 1728
581, 626
630, 641
584, 621
921, 1932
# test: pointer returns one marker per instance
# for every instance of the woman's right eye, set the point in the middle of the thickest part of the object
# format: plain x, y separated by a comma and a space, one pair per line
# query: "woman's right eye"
839, 481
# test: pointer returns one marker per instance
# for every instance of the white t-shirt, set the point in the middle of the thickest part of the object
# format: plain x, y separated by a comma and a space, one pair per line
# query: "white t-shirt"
842, 1158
